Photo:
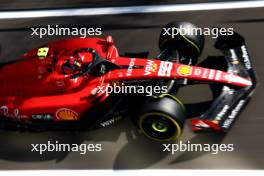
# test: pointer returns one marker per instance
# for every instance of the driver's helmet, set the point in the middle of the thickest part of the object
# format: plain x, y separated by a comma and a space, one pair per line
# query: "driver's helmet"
72, 64
69, 65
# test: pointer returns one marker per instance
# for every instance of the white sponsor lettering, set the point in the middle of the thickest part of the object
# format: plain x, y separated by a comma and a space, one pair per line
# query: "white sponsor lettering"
150, 67
211, 74
233, 114
220, 115
246, 57
205, 73
197, 72
15, 113
111, 121
218, 75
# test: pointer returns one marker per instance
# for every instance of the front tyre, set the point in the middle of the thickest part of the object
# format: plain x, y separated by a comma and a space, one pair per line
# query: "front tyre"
183, 39
162, 118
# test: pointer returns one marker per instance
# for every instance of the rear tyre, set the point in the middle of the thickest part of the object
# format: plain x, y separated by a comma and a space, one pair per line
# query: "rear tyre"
188, 44
162, 118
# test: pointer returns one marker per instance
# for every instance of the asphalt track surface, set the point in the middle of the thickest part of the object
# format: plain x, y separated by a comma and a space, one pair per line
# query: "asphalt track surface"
123, 146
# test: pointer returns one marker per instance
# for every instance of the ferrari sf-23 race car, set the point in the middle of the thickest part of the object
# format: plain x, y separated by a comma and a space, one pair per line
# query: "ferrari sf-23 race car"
60, 85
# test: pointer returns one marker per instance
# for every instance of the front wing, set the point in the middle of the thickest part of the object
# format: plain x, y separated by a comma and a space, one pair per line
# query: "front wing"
231, 101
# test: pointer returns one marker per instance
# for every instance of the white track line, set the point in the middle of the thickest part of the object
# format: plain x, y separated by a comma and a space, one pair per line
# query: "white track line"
154, 172
130, 10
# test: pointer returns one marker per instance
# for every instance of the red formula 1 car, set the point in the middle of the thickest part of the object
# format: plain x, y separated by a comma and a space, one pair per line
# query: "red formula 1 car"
67, 82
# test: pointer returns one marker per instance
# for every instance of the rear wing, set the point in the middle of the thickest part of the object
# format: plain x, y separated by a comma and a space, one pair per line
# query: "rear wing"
232, 100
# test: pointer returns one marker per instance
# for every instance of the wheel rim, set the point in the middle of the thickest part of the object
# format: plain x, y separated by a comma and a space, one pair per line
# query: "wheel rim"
159, 126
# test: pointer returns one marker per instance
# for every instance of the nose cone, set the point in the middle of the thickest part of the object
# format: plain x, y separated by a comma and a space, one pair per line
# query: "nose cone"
238, 80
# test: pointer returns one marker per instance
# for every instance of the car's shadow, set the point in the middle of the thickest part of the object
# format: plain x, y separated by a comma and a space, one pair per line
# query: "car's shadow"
132, 151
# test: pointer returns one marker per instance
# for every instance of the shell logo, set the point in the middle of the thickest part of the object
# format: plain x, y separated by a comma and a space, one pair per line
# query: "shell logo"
66, 114
184, 70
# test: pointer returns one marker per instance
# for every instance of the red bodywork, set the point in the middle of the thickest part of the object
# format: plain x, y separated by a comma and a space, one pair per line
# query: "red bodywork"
34, 86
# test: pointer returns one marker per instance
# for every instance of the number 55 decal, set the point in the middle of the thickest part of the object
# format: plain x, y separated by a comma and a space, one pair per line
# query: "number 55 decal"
165, 68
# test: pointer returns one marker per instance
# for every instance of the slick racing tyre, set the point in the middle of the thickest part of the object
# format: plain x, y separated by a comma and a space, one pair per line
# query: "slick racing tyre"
162, 118
181, 36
